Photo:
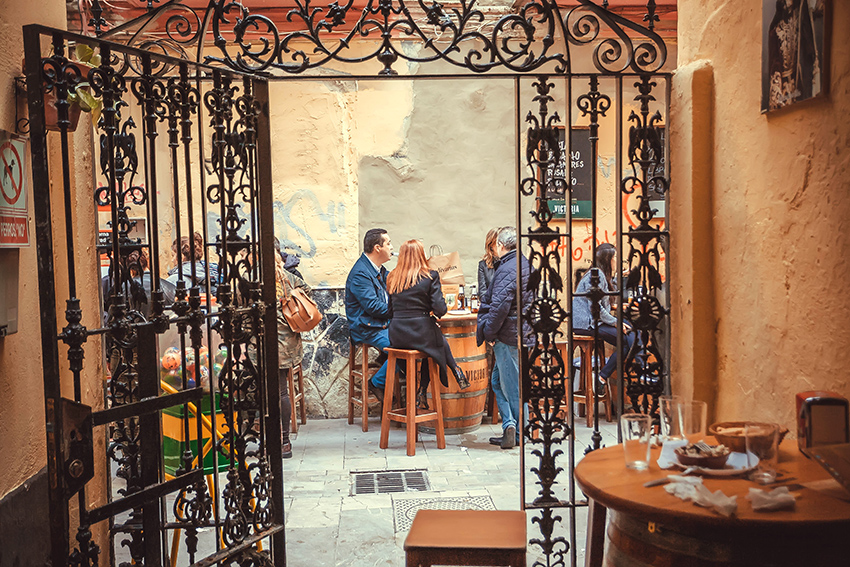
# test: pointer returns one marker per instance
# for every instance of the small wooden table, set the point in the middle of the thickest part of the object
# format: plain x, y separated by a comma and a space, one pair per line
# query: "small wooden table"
467, 537
649, 526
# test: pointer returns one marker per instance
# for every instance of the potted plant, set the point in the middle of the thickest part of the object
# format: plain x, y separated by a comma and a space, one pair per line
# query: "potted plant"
80, 96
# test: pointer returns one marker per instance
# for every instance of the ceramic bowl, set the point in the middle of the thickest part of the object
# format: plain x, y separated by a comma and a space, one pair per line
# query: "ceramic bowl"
706, 462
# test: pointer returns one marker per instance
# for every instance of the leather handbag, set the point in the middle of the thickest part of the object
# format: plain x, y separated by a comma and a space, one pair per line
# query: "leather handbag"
301, 312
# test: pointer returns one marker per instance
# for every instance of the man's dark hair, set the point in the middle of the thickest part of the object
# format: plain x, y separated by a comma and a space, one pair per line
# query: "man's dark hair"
374, 237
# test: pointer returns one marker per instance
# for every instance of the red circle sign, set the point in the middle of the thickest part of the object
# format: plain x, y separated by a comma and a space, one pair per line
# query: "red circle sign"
11, 173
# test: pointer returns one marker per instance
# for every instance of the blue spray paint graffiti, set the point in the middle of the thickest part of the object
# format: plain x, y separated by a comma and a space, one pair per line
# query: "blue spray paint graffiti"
293, 237
284, 226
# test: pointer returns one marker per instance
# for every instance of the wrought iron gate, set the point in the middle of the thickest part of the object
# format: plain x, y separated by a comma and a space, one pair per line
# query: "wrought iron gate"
183, 137
583, 60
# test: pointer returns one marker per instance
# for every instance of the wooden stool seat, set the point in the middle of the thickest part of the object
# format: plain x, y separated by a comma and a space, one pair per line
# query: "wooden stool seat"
360, 374
584, 396
467, 537
410, 415
296, 396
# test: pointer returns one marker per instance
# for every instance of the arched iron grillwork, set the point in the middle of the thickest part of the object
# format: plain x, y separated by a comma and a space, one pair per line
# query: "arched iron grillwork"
535, 36
181, 65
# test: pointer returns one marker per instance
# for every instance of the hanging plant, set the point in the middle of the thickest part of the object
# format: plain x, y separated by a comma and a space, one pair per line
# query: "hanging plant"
80, 96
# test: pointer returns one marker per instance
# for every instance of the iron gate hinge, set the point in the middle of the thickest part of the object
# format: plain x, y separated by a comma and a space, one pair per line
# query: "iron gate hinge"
76, 445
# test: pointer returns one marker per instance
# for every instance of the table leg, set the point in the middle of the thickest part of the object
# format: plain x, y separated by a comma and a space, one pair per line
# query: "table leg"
596, 514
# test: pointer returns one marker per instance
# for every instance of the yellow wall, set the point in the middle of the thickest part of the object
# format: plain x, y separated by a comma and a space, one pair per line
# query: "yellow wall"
22, 432
760, 210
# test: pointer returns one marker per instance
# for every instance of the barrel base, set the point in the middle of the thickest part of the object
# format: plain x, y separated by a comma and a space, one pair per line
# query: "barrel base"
633, 542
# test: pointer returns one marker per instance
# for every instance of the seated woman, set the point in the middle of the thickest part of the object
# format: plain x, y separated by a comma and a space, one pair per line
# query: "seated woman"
416, 301
605, 265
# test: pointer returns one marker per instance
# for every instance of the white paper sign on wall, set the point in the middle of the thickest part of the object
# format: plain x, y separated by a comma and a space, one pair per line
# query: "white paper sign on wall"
14, 225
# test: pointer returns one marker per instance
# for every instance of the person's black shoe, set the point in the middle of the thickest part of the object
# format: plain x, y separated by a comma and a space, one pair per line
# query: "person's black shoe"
421, 400
287, 450
601, 386
462, 380
497, 441
377, 392
509, 438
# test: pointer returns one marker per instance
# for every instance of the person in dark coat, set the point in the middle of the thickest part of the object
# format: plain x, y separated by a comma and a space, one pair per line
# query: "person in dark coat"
487, 264
416, 301
367, 305
497, 322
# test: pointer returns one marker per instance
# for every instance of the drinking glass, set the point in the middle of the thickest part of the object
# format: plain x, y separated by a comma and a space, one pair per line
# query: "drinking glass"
763, 441
635, 430
671, 424
693, 416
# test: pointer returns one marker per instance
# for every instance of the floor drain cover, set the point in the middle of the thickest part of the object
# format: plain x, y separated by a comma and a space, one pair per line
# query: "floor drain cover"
405, 509
386, 482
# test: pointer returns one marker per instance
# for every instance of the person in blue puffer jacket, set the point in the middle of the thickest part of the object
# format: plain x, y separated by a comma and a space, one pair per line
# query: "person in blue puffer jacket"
497, 321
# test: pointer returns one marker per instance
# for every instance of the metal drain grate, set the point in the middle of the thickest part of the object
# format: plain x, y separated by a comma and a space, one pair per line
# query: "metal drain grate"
386, 482
404, 510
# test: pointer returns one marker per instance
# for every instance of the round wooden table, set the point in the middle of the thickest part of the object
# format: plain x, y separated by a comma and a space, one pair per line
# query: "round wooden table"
649, 526
463, 409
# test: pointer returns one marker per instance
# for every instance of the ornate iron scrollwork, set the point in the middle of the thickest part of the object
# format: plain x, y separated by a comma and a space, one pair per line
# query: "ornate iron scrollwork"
534, 37
644, 368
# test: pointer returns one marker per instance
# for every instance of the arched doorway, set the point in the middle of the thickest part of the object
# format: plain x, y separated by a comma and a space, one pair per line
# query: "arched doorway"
203, 120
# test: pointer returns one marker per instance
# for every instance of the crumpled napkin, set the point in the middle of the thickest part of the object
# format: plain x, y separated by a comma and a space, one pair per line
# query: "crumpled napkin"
777, 499
691, 488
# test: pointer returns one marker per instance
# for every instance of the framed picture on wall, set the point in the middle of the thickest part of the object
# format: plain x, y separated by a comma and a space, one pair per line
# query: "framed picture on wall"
793, 52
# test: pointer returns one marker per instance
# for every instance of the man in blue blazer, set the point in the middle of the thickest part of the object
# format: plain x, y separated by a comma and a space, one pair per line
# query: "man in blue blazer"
367, 301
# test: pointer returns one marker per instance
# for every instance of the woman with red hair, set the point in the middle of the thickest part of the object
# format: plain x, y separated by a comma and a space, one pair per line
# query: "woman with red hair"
416, 302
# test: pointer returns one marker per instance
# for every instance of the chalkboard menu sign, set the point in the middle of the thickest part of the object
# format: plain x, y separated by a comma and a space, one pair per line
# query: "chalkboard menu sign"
579, 183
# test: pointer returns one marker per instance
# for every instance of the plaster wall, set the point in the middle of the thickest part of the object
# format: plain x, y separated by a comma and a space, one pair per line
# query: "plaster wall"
22, 417
779, 210
22, 436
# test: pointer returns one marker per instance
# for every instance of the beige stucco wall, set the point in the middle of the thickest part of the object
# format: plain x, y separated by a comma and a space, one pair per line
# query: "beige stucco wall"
22, 431
774, 200
22, 438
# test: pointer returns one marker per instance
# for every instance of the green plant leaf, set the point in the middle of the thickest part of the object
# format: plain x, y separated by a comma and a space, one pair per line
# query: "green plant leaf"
84, 52
87, 101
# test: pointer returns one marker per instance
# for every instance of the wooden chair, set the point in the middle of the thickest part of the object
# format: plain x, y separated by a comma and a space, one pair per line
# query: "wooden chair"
467, 537
584, 395
296, 396
360, 373
410, 415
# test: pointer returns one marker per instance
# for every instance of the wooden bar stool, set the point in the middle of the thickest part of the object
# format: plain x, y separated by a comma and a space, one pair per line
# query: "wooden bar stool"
409, 415
360, 374
294, 375
467, 537
585, 396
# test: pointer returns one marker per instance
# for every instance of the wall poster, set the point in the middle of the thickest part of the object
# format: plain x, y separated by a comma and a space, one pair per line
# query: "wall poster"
793, 52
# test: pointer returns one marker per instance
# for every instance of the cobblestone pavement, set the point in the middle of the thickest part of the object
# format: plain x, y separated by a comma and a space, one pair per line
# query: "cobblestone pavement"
327, 526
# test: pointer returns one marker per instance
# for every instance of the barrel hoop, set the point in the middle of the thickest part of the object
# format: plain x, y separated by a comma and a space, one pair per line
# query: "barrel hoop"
451, 430
458, 335
459, 395
475, 358
464, 417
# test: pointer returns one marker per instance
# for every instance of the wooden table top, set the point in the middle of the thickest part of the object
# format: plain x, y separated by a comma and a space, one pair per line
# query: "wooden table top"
821, 502
462, 318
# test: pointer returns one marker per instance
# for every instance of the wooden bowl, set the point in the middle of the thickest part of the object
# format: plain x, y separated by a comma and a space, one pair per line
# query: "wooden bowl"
736, 440
713, 462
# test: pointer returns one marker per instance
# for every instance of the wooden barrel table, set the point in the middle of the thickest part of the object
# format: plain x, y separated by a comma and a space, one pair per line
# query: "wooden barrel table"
463, 410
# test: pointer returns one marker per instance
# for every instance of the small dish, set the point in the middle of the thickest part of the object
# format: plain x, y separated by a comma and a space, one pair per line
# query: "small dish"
686, 456
459, 312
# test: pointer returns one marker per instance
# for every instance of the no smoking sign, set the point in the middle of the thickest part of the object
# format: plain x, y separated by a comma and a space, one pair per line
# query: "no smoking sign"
14, 228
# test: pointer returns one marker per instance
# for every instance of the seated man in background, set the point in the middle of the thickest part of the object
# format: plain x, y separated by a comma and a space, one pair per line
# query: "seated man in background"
367, 301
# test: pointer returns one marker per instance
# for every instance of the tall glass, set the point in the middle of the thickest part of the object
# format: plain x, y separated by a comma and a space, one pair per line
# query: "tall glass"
636, 429
693, 416
671, 424
763, 441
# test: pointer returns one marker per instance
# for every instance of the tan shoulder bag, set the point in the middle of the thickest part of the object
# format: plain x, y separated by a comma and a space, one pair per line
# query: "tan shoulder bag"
301, 312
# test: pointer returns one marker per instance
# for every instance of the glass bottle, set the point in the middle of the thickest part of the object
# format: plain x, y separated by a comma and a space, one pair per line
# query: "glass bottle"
461, 299
473, 301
